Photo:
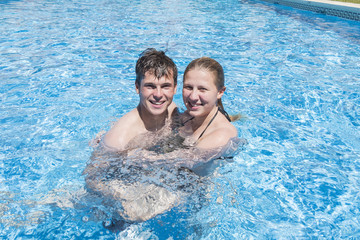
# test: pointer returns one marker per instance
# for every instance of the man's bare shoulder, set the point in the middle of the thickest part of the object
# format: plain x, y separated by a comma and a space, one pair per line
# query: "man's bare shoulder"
125, 129
173, 109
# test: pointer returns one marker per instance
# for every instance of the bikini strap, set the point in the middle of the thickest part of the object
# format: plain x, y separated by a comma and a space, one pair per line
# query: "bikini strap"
188, 120
208, 124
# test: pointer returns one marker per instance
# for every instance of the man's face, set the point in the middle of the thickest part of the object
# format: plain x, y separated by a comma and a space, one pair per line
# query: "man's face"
156, 94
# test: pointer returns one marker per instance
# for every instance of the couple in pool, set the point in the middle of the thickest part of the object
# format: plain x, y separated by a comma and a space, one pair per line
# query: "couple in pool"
156, 133
204, 125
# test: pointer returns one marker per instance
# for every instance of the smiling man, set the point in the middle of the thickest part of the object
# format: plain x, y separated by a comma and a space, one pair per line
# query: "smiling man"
156, 80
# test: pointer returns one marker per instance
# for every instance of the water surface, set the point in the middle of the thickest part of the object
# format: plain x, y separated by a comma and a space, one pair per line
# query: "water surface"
67, 72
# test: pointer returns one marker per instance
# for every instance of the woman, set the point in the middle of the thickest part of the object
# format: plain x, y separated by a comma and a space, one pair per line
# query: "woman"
206, 124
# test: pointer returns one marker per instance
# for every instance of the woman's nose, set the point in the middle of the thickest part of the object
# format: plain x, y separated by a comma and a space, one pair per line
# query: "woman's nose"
194, 95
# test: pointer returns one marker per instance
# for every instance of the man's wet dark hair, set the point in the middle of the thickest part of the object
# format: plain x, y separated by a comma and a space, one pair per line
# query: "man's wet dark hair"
156, 63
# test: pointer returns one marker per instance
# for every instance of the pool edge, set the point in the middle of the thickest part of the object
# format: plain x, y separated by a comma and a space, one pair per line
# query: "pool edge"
339, 9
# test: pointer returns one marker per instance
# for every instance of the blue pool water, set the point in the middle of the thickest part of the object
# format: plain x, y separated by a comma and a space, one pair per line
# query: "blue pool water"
67, 72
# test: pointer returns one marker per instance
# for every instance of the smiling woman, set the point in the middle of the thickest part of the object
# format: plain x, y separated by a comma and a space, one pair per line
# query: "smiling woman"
202, 91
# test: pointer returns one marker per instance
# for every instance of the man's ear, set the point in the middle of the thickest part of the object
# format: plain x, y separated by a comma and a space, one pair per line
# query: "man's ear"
221, 92
175, 89
137, 88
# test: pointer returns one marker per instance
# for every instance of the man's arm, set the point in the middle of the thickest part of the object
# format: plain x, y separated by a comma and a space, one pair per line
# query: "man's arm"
125, 129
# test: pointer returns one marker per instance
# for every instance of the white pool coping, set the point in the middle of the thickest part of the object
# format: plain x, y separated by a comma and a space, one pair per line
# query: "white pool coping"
340, 9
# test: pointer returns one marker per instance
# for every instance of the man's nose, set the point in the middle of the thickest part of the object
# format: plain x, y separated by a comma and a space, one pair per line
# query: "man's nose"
158, 93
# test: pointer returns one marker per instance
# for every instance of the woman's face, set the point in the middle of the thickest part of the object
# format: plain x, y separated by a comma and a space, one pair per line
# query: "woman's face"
200, 93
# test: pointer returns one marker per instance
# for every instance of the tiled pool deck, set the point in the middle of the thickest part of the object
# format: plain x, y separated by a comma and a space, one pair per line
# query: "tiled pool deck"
334, 8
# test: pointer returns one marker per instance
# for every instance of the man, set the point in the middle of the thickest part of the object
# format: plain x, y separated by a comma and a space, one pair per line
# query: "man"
156, 80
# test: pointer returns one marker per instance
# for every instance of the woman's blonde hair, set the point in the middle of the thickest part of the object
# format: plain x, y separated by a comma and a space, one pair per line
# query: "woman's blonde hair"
216, 69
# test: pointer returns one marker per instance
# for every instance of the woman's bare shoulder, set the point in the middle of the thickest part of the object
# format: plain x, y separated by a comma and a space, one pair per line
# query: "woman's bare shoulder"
219, 136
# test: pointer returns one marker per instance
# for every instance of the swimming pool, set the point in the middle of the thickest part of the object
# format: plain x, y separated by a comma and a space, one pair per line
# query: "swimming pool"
67, 71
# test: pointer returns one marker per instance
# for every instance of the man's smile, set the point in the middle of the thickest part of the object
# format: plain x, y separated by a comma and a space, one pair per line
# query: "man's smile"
157, 103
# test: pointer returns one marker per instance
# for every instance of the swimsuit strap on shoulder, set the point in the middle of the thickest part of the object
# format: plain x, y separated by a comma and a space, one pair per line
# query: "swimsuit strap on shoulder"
208, 124
187, 120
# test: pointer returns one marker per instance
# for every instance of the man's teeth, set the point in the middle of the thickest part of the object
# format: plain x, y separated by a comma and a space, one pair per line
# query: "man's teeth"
157, 103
